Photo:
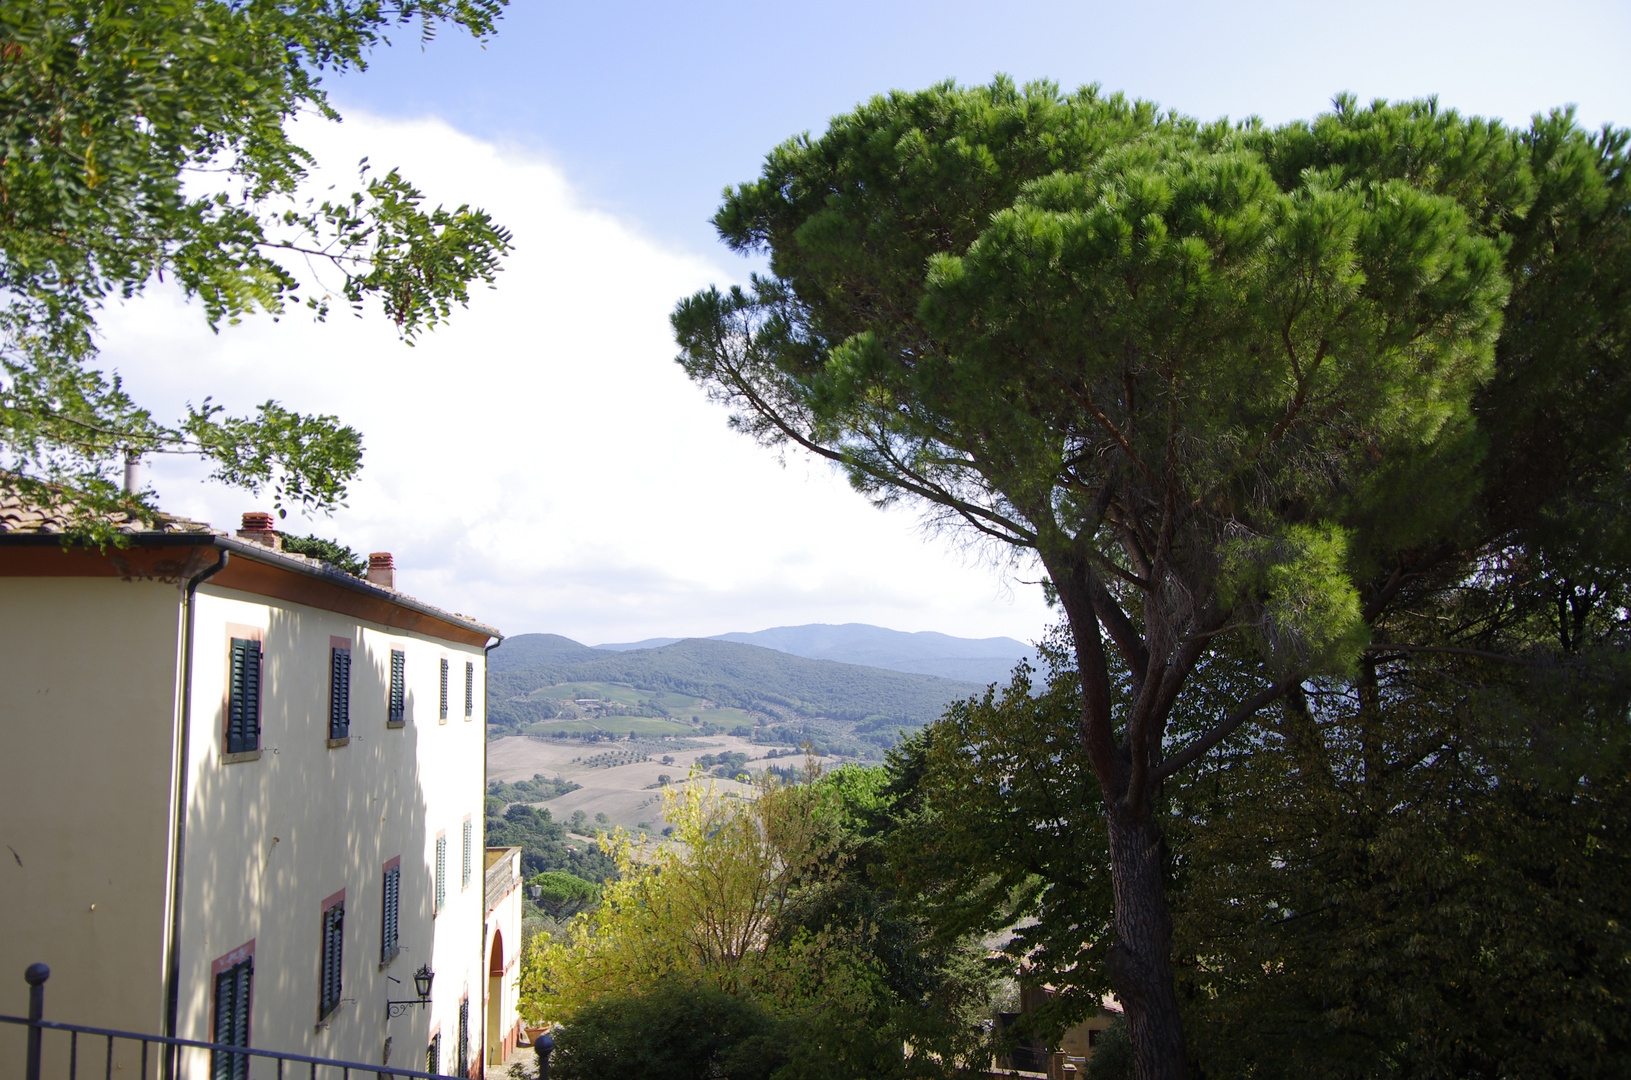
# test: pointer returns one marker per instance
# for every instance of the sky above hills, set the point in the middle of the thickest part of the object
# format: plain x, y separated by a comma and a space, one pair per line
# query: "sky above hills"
542, 464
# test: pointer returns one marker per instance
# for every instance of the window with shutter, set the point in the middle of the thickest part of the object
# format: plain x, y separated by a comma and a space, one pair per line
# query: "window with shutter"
469, 689
396, 710
462, 1066
444, 688
467, 834
441, 872
333, 939
243, 720
433, 1055
388, 947
339, 693
232, 1021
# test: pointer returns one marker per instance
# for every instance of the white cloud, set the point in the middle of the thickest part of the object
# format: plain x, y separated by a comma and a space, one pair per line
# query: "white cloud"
541, 463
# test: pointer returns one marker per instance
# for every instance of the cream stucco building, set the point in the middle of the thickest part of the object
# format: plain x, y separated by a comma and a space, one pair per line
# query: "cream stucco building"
241, 793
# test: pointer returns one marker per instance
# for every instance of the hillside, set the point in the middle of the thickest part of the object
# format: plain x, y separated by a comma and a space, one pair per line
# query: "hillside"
526, 651
538, 678
980, 660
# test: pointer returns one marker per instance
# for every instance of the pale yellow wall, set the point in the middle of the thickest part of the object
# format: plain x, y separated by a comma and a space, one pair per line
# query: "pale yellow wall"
1075, 1041
88, 673
268, 840
505, 920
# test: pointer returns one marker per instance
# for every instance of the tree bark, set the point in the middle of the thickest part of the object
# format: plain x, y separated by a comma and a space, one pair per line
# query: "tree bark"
1140, 962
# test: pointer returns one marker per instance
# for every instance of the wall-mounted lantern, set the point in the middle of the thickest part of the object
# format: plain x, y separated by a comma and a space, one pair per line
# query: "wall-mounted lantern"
421, 985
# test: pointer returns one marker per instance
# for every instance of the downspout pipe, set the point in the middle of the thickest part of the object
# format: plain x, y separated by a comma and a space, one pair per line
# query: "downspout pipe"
172, 988
481, 951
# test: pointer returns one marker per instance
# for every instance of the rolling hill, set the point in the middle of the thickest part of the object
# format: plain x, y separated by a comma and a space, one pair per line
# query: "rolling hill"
687, 678
980, 660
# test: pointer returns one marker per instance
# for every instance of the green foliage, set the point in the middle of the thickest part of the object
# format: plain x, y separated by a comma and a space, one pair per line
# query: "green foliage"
1375, 884
539, 789
770, 900
1246, 394
332, 552
672, 1031
543, 844
146, 141
1001, 833
1296, 587
564, 895
725, 764
1113, 1055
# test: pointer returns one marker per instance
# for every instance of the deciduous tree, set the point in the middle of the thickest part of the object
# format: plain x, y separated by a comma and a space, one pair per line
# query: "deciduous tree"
771, 899
146, 140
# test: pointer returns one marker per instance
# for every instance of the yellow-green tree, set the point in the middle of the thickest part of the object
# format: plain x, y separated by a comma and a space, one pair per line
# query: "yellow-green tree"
771, 899
704, 907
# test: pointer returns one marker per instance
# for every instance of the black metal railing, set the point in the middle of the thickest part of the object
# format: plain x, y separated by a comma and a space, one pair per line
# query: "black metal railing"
166, 1056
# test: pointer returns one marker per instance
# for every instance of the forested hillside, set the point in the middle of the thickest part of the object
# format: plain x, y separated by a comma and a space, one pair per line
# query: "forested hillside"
772, 685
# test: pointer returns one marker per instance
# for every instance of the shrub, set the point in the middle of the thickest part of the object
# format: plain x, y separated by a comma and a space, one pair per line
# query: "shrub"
675, 1031
1113, 1056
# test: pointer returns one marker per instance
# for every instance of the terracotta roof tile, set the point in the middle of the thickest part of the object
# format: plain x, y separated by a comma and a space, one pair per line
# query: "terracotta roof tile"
20, 514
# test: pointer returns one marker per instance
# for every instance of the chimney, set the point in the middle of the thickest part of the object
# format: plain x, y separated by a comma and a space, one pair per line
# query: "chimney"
382, 569
133, 472
257, 529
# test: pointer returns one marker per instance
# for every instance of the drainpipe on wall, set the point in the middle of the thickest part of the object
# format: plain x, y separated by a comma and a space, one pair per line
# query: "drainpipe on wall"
485, 960
172, 979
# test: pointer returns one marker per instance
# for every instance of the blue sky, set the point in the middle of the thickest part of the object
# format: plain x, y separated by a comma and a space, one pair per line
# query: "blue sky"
542, 464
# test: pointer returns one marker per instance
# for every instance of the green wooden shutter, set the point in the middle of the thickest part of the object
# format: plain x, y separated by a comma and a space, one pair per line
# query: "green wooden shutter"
232, 1021
397, 708
333, 939
463, 1064
469, 688
441, 872
388, 922
467, 832
223, 1009
444, 689
339, 693
244, 697
433, 1055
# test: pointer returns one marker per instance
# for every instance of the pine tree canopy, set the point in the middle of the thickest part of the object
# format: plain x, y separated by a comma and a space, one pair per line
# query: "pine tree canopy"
1238, 389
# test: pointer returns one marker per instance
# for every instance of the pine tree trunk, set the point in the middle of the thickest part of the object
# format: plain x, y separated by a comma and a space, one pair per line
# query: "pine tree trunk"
1140, 963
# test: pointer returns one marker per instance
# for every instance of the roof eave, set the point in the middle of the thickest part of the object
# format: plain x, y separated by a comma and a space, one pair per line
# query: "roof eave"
259, 553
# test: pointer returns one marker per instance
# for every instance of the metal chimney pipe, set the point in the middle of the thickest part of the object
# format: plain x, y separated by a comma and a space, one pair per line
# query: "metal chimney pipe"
133, 472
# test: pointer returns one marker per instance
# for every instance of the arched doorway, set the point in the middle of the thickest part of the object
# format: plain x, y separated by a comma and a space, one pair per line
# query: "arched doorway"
495, 1001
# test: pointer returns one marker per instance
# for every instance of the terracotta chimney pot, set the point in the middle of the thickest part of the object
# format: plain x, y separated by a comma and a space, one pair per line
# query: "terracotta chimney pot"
382, 569
257, 529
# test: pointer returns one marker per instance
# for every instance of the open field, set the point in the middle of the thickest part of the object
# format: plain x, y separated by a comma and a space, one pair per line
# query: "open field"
581, 705
618, 694
617, 725
620, 793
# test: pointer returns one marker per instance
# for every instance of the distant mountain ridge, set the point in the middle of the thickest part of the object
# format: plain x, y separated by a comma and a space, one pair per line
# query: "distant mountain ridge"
981, 660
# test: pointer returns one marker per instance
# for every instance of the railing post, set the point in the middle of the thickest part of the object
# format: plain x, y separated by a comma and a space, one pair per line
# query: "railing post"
35, 976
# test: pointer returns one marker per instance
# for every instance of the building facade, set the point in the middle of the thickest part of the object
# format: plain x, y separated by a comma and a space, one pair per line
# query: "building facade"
502, 933
242, 793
